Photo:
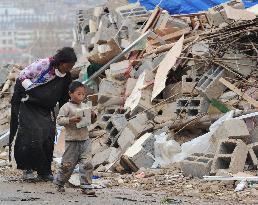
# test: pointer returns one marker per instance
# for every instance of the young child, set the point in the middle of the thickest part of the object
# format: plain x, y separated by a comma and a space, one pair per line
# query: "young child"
77, 142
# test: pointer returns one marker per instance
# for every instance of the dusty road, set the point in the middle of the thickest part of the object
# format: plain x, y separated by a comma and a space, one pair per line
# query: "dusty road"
15, 191
18, 192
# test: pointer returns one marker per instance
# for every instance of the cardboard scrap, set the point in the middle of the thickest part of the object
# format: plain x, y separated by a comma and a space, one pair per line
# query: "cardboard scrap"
166, 64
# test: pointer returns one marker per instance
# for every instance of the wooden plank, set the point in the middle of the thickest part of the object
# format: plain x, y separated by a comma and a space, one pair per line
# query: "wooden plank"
164, 67
226, 178
169, 37
239, 92
155, 14
188, 15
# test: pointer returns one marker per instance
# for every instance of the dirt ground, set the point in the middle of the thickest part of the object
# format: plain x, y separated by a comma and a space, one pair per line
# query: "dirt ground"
166, 186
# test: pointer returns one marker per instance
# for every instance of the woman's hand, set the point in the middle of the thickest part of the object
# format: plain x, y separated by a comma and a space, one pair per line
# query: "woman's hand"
74, 119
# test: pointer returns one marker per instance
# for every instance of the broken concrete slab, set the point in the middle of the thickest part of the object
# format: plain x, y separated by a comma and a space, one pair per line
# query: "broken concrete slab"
139, 124
139, 154
126, 139
108, 89
105, 157
233, 129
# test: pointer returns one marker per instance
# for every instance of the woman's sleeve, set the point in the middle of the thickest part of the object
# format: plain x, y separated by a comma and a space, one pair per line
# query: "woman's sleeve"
32, 71
65, 96
63, 118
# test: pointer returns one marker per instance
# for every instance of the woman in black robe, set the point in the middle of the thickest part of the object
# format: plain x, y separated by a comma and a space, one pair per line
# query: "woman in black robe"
38, 89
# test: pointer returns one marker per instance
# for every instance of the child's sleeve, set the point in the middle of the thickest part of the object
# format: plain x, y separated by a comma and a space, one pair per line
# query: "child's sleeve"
63, 118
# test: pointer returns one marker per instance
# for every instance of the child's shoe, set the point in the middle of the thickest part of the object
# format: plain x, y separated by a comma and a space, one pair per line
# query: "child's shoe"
89, 192
60, 188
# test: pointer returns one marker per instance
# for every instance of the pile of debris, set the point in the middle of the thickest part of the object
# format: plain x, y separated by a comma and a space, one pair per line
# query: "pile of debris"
168, 89
164, 80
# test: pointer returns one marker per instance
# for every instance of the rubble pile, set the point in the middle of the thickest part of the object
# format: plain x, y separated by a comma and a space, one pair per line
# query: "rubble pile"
167, 89
157, 104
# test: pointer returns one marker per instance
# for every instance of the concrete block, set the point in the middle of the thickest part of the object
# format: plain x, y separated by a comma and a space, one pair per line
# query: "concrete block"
253, 153
139, 154
126, 139
114, 127
230, 156
197, 165
108, 89
105, 157
117, 121
233, 129
191, 106
139, 124
166, 112
188, 84
209, 84
135, 12
117, 70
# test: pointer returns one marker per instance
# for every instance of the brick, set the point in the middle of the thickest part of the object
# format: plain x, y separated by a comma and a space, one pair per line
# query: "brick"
233, 129
230, 157
197, 165
191, 106
140, 153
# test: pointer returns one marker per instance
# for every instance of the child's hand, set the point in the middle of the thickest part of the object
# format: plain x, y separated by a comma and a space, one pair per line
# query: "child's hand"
74, 119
